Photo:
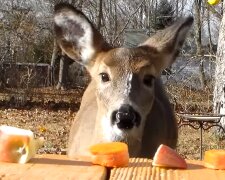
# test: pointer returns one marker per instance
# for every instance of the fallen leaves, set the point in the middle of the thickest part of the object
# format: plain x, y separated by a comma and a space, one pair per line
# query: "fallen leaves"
53, 125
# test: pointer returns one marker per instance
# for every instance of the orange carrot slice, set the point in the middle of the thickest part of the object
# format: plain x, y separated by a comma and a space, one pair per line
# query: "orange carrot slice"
214, 159
113, 154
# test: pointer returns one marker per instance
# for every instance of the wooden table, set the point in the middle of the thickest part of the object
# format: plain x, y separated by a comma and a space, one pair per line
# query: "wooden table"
52, 167
142, 169
59, 167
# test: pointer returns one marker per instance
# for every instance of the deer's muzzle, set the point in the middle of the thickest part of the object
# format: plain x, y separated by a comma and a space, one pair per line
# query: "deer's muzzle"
126, 117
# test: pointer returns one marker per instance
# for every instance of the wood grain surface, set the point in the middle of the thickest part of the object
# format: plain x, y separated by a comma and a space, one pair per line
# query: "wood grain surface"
52, 167
60, 167
141, 169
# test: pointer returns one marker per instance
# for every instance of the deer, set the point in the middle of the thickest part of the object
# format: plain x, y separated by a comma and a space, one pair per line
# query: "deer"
125, 100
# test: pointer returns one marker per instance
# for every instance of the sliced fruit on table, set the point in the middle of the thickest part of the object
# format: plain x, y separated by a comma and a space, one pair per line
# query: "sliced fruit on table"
215, 159
168, 157
17, 145
113, 154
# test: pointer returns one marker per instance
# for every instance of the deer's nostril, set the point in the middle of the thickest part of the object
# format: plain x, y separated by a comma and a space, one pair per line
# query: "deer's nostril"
126, 117
125, 120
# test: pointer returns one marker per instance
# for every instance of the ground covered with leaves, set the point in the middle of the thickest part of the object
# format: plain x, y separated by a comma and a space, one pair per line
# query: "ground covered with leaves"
53, 125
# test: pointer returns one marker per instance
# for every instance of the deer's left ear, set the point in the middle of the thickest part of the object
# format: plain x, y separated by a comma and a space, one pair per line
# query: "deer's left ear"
167, 43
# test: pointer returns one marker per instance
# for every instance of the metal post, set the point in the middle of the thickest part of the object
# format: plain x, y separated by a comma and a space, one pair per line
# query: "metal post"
201, 126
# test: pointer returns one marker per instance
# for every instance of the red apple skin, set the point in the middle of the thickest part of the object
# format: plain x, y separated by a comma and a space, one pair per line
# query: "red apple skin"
9, 146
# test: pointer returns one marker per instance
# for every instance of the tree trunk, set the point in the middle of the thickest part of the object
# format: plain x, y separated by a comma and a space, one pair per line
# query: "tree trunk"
177, 7
156, 7
219, 88
52, 67
209, 30
198, 40
63, 73
115, 19
99, 20
182, 7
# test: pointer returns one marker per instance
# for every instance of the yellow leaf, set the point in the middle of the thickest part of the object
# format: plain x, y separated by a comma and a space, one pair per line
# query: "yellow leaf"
213, 2
42, 129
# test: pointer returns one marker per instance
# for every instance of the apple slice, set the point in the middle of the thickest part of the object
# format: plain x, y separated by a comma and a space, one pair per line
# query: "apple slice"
168, 157
17, 145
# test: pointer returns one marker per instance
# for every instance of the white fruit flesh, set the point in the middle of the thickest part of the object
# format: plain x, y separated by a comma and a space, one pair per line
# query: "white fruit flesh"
156, 155
9, 130
28, 150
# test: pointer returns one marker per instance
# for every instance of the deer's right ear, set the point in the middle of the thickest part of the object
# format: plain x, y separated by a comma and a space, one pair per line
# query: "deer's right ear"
76, 35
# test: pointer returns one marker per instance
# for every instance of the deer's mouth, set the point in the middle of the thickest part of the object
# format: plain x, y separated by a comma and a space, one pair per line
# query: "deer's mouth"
124, 135
125, 129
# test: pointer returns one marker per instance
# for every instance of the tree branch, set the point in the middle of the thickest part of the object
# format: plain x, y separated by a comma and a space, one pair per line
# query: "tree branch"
128, 21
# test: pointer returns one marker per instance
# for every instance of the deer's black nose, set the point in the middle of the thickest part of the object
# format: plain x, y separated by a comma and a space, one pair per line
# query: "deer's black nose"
126, 117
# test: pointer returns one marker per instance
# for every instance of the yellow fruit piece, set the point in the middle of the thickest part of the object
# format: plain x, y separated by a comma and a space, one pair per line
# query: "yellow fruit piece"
31, 150
213, 2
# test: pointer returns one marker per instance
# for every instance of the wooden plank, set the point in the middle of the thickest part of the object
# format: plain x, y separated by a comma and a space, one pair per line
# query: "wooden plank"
55, 167
142, 169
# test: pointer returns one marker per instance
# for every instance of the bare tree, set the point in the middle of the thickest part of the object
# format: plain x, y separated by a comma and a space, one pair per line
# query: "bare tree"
198, 39
99, 19
55, 54
24, 38
219, 88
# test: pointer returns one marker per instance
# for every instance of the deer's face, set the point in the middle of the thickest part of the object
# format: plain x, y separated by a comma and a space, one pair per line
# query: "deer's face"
123, 79
124, 90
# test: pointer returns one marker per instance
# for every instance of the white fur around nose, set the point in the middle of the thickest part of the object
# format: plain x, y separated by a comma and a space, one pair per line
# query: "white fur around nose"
110, 132
85, 42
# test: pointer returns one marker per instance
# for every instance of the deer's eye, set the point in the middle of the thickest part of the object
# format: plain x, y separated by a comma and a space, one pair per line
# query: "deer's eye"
148, 80
104, 77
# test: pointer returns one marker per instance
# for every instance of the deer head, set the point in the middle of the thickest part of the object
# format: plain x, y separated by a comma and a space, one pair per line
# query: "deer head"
123, 79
